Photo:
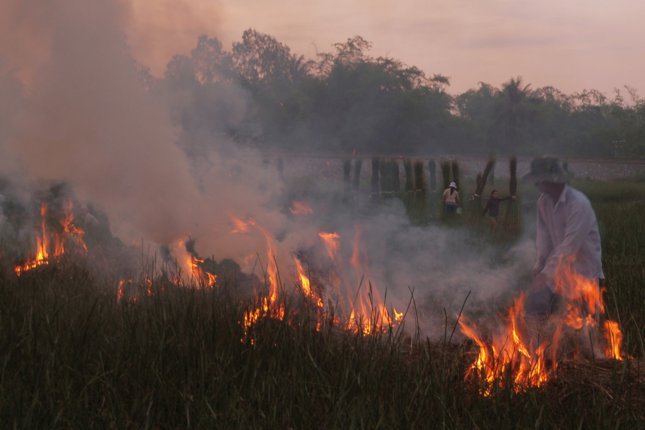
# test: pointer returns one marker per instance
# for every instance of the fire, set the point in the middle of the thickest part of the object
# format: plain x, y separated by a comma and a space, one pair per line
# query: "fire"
130, 292
614, 339
73, 231
515, 357
202, 277
331, 243
508, 353
269, 305
300, 208
51, 244
305, 284
240, 226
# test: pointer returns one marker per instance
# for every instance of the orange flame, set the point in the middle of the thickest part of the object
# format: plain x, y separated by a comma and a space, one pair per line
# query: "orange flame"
73, 231
240, 226
269, 306
508, 354
300, 208
614, 338
52, 244
511, 352
331, 244
305, 284
203, 278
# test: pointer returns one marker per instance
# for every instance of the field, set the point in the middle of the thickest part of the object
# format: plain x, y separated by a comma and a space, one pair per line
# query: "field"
73, 356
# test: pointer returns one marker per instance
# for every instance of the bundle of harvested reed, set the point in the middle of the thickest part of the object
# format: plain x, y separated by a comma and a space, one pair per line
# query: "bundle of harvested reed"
445, 173
375, 174
409, 178
482, 178
432, 168
419, 176
347, 170
357, 173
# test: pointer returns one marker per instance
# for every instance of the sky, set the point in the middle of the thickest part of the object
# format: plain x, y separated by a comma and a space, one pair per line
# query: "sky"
572, 45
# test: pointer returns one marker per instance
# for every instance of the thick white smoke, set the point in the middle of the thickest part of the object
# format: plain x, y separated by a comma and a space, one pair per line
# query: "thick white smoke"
73, 109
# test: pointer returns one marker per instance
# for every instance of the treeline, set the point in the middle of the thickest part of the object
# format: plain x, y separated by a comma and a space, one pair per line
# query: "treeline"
261, 93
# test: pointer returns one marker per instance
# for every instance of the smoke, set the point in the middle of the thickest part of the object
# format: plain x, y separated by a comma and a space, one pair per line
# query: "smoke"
158, 30
73, 109
87, 121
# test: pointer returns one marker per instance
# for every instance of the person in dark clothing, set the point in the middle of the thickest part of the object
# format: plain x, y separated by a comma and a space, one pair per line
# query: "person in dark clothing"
492, 208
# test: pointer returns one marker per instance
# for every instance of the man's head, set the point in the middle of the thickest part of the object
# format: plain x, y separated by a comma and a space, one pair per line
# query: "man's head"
493, 193
548, 175
452, 185
547, 169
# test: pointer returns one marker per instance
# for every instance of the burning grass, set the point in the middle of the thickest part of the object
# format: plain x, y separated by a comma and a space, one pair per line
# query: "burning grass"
167, 352
74, 356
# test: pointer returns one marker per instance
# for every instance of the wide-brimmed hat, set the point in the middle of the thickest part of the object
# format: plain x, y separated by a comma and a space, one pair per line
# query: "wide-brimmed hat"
453, 184
548, 169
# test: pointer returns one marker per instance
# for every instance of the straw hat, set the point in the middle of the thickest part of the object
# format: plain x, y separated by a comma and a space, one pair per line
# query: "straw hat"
547, 169
453, 184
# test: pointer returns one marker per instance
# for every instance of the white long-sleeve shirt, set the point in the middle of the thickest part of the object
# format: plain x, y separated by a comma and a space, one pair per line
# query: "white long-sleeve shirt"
567, 229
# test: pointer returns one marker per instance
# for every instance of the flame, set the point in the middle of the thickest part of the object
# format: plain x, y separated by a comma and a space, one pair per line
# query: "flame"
305, 285
508, 353
368, 313
203, 278
614, 338
240, 226
300, 208
73, 231
269, 305
331, 241
120, 291
52, 244
513, 357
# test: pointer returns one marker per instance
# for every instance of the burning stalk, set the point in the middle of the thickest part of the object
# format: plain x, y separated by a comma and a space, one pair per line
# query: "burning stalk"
511, 351
52, 244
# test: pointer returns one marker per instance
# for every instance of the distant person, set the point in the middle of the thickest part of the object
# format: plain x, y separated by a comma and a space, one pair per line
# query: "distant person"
450, 199
492, 208
567, 233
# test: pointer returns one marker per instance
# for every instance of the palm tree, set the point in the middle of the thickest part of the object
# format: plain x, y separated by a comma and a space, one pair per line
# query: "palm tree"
513, 111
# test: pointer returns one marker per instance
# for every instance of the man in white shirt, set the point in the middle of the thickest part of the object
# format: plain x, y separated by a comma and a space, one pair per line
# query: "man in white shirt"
567, 233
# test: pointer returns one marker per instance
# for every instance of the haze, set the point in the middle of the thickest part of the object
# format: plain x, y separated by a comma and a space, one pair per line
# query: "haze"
571, 45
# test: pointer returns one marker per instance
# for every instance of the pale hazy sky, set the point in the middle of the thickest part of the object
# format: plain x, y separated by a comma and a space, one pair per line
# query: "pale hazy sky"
570, 44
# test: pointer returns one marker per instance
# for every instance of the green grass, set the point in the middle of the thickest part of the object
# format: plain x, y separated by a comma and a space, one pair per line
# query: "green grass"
71, 356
